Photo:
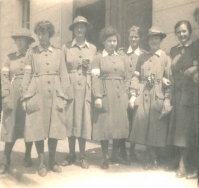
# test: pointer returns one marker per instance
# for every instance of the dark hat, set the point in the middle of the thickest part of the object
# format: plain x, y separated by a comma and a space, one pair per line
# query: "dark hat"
156, 31
80, 19
23, 32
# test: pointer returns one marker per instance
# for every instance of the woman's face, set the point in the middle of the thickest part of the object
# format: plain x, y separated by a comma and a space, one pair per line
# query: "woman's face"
183, 34
21, 43
134, 39
110, 44
43, 37
80, 30
154, 42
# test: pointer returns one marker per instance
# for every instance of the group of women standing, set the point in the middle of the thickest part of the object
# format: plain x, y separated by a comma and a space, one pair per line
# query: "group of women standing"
127, 94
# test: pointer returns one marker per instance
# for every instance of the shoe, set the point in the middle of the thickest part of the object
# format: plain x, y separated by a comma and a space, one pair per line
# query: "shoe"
105, 164
154, 165
180, 173
27, 162
4, 168
118, 160
55, 168
69, 160
170, 167
125, 162
42, 171
193, 175
84, 163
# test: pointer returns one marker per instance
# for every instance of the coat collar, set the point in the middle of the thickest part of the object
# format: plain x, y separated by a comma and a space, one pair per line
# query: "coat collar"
158, 53
41, 49
189, 42
74, 42
105, 53
130, 50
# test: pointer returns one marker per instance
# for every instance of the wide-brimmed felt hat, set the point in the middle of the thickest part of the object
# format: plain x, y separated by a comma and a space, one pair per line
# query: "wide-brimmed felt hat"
80, 19
23, 32
156, 31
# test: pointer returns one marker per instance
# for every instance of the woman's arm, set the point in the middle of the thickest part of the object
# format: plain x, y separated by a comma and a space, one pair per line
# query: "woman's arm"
5, 78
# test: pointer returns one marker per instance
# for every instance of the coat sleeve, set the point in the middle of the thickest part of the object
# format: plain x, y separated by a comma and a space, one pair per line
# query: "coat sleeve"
168, 75
134, 86
5, 78
64, 76
96, 80
27, 73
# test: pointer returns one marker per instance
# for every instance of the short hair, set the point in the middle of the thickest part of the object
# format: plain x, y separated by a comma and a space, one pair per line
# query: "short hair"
44, 25
187, 23
196, 12
108, 32
136, 29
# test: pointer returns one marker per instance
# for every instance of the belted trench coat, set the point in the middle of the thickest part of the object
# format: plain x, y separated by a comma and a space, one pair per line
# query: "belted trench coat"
44, 87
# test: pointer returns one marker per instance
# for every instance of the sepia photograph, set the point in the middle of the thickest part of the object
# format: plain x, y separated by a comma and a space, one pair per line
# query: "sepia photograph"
99, 93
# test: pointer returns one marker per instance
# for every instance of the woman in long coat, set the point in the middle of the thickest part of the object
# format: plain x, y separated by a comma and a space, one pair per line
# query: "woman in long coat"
150, 99
110, 121
13, 120
45, 95
132, 53
78, 55
182, 126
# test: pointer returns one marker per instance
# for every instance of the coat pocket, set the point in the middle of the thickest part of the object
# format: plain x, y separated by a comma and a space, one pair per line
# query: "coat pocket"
32, 102
7, 104
159, 101
59, 100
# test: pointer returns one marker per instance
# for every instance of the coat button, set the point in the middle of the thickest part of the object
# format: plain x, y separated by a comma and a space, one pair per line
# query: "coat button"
46, 54
118, 96
80, 56
47, 63
49, 90
150, 60
21, 61
145, 94
149, 68
115, 69
79, 83
131, 58
114, 62
21, 69
79, 74
48, 82
47, 71
130, 65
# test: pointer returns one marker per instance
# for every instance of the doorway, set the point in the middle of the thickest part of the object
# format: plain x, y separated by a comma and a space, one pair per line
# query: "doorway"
94, 12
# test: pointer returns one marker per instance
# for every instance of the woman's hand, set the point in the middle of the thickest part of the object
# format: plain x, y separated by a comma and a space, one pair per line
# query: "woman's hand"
167, 106
65, 103
190, 71
195, 78
24, 105
166, 82
132, 102
98, 103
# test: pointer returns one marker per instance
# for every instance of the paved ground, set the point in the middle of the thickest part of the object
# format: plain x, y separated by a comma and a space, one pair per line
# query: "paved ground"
73, 176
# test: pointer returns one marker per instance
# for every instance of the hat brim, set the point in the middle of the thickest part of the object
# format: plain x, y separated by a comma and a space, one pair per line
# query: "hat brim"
29, 38
162, 35
89, 26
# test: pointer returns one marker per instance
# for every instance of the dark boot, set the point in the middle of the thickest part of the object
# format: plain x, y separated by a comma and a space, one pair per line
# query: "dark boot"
5, 165
27, 158
83, 162
52, 145
181, 172
133, 157
42, 171
123, 153
71, 158
105, 161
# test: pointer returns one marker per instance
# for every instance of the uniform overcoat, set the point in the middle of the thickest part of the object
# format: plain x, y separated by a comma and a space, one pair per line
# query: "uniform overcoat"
111, 121
44, 86
182, 125
131, 60
13, 119
78, 111
147, 128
